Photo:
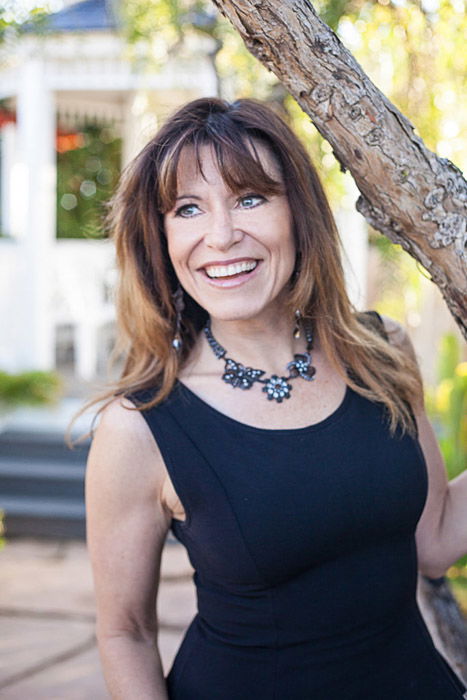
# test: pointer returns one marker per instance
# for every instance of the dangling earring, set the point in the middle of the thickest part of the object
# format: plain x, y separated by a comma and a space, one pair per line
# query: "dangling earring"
179, 306
298, 318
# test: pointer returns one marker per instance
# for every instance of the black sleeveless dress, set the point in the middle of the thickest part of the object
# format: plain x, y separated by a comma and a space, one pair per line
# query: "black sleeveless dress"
302, 541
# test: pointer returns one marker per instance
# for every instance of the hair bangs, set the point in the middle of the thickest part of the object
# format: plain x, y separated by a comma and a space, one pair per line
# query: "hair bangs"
242, 168
238, 160
166, 178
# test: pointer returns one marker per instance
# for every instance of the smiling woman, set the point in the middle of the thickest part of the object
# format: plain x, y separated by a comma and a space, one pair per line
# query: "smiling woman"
232, 251
293, 496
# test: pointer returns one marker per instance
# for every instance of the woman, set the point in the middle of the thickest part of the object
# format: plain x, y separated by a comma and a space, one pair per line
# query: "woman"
279, 433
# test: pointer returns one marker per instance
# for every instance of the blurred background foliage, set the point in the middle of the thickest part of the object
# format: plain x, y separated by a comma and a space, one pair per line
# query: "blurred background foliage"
447, 404
15, 17
32, 388
88, 168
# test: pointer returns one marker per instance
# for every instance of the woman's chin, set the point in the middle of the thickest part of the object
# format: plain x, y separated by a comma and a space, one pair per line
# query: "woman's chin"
226, 313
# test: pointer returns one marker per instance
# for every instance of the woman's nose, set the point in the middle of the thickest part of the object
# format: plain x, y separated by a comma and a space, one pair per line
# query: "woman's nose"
221, 231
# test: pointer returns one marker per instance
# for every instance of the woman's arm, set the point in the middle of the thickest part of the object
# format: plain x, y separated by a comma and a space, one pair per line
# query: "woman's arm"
442, 529
126, 529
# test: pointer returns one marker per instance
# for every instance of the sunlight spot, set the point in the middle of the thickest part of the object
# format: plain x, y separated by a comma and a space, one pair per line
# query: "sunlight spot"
88, 188
68, 201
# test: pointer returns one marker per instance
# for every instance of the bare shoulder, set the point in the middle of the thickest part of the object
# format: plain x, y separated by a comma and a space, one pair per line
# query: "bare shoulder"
122, 440
121, 415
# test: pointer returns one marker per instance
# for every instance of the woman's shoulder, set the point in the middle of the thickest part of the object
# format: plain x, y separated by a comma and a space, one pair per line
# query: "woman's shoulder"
397, 335
123, 438
393, 331
121, 416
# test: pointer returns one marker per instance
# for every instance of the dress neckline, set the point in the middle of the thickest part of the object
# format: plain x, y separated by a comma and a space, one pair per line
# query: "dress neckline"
334, 416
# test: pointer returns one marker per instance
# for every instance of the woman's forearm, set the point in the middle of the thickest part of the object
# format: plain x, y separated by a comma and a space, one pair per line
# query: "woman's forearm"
454, 521
132, 668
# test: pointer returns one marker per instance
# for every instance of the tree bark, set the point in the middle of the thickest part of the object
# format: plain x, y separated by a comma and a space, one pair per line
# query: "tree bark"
410, 194
445, 621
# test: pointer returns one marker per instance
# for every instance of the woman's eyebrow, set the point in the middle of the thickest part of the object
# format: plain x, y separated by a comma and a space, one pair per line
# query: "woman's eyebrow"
187, 196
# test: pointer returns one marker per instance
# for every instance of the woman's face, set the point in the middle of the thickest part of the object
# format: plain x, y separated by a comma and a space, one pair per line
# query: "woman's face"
232, 252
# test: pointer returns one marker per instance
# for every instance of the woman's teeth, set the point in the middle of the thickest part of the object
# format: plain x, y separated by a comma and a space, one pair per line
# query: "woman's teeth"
229, 270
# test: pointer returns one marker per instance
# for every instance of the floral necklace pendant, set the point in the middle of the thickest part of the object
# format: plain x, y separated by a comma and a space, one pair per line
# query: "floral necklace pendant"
276, 388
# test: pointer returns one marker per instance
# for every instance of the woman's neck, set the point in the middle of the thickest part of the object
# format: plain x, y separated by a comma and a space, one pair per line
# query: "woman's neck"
267, 343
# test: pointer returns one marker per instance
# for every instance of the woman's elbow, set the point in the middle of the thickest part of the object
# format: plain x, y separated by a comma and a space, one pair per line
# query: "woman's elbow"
143, 634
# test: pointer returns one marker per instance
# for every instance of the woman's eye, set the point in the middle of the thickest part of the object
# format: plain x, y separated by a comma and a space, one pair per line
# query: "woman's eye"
249, 201
187, 210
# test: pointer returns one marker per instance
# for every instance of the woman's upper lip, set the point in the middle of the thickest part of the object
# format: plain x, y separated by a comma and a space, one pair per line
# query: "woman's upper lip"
231, 261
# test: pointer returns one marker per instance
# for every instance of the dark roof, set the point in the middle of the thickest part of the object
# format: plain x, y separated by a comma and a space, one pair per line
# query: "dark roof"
88, 15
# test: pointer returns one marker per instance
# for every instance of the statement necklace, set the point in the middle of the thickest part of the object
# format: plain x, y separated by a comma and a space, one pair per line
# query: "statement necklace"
276, 388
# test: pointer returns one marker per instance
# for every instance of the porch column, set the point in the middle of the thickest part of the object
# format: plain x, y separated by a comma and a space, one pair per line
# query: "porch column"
7, 160
139, 125
35, 193
86, 338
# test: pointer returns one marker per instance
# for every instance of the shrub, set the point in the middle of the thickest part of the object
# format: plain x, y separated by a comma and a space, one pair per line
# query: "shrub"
33, 388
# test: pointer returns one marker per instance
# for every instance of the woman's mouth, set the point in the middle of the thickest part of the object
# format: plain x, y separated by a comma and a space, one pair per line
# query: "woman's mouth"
230, 274
231, 270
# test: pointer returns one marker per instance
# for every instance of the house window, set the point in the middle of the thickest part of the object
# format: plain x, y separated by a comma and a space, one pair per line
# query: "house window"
65, 354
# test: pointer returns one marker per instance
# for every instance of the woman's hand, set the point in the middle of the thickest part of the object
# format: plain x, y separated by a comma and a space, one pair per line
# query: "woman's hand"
126, 530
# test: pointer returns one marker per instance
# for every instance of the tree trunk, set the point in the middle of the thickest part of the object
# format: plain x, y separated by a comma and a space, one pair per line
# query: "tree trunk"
407, 192
445, 621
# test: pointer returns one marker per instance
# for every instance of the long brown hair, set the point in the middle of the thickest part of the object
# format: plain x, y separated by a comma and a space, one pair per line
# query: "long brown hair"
145, 305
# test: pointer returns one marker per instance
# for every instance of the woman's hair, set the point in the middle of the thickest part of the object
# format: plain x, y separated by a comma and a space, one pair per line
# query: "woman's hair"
145, 304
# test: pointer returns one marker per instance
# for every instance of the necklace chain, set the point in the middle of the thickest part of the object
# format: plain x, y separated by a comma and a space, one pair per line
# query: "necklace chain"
275, 387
